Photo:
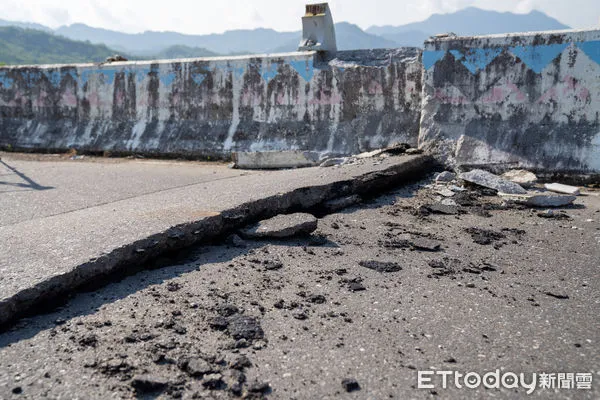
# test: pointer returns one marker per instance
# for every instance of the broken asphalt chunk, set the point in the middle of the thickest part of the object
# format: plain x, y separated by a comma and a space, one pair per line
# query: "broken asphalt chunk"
439, 208
198, 367
381, 266
425, 244
350, 385
484, 236
356, 287
243, 327
540, 200
282, 226
488, 180
560, 188
521, 177
149, 383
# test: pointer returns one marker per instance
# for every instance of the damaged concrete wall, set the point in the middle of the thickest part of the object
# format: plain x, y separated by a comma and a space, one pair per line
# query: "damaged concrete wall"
526, 100
211, 107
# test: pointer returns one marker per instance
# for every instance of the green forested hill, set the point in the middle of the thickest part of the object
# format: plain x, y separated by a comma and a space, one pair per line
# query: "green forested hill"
28, 46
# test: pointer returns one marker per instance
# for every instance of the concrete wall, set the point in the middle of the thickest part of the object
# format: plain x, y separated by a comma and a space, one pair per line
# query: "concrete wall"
210, 107
527, 100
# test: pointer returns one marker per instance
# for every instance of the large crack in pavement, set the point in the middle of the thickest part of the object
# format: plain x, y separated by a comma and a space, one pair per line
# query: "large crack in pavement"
128, 258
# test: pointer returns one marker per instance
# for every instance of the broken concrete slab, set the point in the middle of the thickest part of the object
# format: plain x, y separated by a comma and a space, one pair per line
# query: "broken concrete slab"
488, 180
521, 177
413, 151
560, 188
540, 200
332, 162
369, 154
47, 255
282, 226
276, 159
394, 150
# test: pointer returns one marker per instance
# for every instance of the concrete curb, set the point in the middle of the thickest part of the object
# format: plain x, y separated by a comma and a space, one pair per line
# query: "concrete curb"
129, 257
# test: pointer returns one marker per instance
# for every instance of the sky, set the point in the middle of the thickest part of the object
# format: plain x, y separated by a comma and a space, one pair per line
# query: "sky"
217, 16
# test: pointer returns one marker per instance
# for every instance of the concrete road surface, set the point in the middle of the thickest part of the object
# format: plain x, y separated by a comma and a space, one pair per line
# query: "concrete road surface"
380, 292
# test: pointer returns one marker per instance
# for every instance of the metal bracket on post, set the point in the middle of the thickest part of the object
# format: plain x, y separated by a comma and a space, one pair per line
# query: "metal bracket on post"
318, 30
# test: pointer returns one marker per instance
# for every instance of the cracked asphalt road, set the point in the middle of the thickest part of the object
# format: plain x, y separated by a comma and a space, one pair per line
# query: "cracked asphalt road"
379, 292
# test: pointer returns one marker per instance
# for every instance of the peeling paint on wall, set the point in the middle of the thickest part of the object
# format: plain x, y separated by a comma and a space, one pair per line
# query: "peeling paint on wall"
210, 107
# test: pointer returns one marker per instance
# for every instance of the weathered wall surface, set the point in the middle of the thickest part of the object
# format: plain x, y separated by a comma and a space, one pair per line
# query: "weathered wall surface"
528, 100
211, 107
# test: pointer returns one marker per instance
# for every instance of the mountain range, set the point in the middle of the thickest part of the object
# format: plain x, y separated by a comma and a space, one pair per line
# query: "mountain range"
153, 44
466, 22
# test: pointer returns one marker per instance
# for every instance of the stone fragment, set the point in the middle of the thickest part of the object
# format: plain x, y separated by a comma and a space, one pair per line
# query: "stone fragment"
213, 381
198, 367
149, 383
540, 200
381, 266
488, 180
484, 236
350, 385
445, 176
259, 387
243, 327
356, 287
282, 226
425, 244
560, 188
521, 177
240, 362
439, 208
550, 214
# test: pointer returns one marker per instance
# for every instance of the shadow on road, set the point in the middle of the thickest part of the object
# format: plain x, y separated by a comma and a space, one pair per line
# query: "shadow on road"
29, 183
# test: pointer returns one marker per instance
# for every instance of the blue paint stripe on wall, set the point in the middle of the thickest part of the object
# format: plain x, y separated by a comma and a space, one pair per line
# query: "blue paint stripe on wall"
477, 59
304, 68
432, 57
538, 57
106, 76
6, 81
168, 78
591, 49
270, 71
198, 78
